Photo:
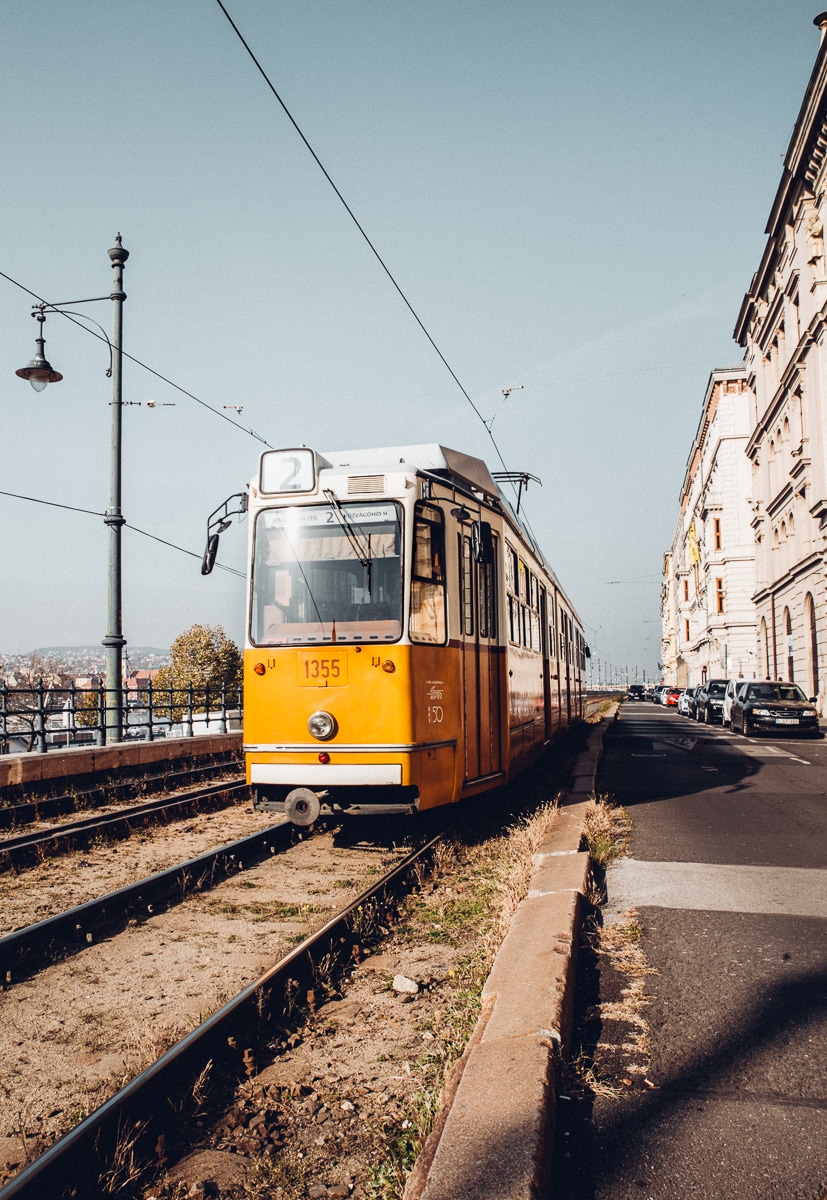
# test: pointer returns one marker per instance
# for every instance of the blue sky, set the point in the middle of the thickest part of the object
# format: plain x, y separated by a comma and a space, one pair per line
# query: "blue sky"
573, 198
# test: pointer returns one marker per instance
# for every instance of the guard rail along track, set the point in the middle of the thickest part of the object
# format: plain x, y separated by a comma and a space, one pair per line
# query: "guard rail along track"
153, 1105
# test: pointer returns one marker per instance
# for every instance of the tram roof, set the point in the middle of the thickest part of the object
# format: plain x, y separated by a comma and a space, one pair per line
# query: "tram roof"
462, 468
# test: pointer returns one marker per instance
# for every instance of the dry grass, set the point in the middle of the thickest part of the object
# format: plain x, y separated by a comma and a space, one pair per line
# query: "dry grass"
606, 830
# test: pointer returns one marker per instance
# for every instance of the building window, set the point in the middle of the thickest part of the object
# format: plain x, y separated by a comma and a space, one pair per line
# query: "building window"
719, 595
716, 532
686, 589
686, 631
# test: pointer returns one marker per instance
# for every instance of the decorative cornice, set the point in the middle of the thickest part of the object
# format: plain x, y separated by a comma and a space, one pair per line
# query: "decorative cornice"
777, 585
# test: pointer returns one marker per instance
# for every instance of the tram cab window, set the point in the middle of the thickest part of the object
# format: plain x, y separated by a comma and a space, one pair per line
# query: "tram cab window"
428, 622
327, 573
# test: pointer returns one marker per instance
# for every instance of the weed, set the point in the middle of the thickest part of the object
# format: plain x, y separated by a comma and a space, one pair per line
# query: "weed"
125, 1167
605, 830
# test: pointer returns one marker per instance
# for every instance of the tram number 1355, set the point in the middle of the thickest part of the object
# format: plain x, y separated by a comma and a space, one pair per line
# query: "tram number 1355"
315, 670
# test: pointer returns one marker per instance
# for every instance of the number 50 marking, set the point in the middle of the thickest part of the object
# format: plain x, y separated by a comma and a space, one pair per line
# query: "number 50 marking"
436, 714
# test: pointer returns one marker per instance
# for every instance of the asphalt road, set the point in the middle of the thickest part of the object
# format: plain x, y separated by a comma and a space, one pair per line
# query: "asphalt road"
728, 877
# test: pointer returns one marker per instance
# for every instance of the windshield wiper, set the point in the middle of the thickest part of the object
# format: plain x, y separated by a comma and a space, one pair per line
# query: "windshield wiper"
361, 551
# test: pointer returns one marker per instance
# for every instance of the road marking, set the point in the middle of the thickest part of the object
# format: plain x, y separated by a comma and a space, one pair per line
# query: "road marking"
675, 743
786, 891
765, 751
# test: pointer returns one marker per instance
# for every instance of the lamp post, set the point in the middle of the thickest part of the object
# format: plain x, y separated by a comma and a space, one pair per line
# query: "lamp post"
39, 373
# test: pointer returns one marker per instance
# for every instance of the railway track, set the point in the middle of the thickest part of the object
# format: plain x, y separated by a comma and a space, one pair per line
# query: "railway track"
25, 950
154, 1108
28, 849
112, 791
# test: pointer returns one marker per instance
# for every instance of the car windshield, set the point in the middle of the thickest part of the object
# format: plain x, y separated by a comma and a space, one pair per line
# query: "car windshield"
716, 689
776, 691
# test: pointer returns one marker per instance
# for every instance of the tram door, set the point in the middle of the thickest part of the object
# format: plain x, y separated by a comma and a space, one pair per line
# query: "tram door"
481, 662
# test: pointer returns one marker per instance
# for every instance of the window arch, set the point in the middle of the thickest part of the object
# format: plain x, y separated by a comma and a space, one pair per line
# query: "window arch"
810, 626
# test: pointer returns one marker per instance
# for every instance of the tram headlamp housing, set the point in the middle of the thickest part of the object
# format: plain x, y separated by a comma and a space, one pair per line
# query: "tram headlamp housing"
322, 726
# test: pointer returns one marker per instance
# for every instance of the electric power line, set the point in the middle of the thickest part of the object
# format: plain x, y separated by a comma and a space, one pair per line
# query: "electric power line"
359, 226
94, 513
102, 338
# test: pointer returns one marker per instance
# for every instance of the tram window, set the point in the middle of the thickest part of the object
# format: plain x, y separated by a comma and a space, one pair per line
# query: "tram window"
513, 595
510, 571
466, 585
487, 595
324, 576
428, 576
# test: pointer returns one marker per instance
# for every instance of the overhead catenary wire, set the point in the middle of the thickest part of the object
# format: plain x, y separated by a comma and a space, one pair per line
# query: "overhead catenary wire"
128, 525
74, 318
360, 227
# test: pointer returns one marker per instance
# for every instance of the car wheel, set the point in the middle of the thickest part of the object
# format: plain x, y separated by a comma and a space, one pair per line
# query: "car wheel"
704, 717
745, 728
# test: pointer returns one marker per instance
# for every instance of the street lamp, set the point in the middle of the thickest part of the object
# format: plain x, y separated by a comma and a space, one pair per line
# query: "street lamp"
39, 373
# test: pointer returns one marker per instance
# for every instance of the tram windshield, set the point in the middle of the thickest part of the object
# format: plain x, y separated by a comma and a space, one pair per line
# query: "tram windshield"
327, 573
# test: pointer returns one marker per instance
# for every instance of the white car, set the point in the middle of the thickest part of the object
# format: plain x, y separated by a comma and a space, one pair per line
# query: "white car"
729, 695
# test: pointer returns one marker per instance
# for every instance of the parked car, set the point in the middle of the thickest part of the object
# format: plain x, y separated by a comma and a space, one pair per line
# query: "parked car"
686, 702
636, 691
773, 705
671, 695
729, 695
709, 701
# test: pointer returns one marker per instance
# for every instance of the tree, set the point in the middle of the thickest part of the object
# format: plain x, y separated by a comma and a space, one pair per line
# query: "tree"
204, 657
28, 708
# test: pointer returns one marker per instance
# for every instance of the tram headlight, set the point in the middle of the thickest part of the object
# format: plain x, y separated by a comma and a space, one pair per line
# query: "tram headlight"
322, 726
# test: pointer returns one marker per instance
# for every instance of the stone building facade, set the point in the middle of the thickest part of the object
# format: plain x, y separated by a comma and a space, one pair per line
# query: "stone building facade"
782, 327
707, 609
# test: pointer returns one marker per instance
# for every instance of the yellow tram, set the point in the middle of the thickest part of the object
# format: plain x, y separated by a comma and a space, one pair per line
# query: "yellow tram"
407, 645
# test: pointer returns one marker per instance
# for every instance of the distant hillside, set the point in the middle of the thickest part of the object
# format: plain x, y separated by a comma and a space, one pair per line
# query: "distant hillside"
132, 651
91, 659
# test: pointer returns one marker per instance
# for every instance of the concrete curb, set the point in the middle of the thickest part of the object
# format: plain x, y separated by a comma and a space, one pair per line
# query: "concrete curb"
494, 1136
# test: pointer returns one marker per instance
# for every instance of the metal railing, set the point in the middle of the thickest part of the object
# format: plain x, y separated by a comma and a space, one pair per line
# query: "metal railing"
33, 719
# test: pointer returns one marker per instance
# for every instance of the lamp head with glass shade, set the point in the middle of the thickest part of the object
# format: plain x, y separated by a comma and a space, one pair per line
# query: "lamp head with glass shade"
39, 371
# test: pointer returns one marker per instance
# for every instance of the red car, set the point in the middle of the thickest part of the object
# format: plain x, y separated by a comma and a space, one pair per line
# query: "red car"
672, 696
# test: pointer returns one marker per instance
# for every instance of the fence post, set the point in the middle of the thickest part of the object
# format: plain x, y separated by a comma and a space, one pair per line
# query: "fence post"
188, 719
40, 720
101, 724
71, 713
149, 734
222, 724
4, 733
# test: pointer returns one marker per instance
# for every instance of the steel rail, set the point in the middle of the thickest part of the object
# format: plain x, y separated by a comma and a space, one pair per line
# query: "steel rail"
30, 848
26, 950
153, 1104
13, 816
